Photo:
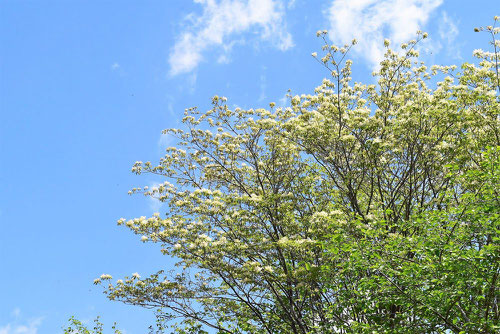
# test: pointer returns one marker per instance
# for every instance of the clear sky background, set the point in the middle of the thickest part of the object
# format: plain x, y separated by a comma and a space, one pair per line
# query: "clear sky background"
87, 86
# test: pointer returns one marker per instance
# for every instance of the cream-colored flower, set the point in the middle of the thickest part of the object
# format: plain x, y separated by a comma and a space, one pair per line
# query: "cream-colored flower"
105, 277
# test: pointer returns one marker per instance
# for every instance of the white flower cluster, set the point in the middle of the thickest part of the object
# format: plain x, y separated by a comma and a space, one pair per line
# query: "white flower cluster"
103, 277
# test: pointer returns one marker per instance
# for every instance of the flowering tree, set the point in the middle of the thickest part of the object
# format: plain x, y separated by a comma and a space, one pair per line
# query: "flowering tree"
361, 208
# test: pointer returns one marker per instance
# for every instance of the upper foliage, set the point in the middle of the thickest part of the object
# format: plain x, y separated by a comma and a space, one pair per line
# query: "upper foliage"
75, 326
361, 208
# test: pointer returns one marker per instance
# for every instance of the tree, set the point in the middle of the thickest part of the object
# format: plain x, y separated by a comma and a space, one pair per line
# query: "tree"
361, 208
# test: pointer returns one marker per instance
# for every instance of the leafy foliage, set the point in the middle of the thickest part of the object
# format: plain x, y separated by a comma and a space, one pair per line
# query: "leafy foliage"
75, 326
361, 208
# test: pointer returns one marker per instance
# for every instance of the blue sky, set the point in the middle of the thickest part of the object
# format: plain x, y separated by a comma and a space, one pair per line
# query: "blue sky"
87, 86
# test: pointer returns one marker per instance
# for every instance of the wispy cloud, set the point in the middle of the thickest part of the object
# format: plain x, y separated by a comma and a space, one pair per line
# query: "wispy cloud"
369, 21
117, 68
263, 85
165, 141
31, 327
16, 312
448, 32
224, 20
291, 4
154, 204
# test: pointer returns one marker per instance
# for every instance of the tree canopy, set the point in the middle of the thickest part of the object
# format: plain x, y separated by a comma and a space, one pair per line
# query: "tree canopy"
363, 208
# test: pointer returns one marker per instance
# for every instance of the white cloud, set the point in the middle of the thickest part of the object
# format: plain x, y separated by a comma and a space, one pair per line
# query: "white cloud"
222, 20
191, 82
165, 141
370, 21
30, 328
16, 312
284, 101
154, 203
263, 87
448, 32
224, 57
117, 68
